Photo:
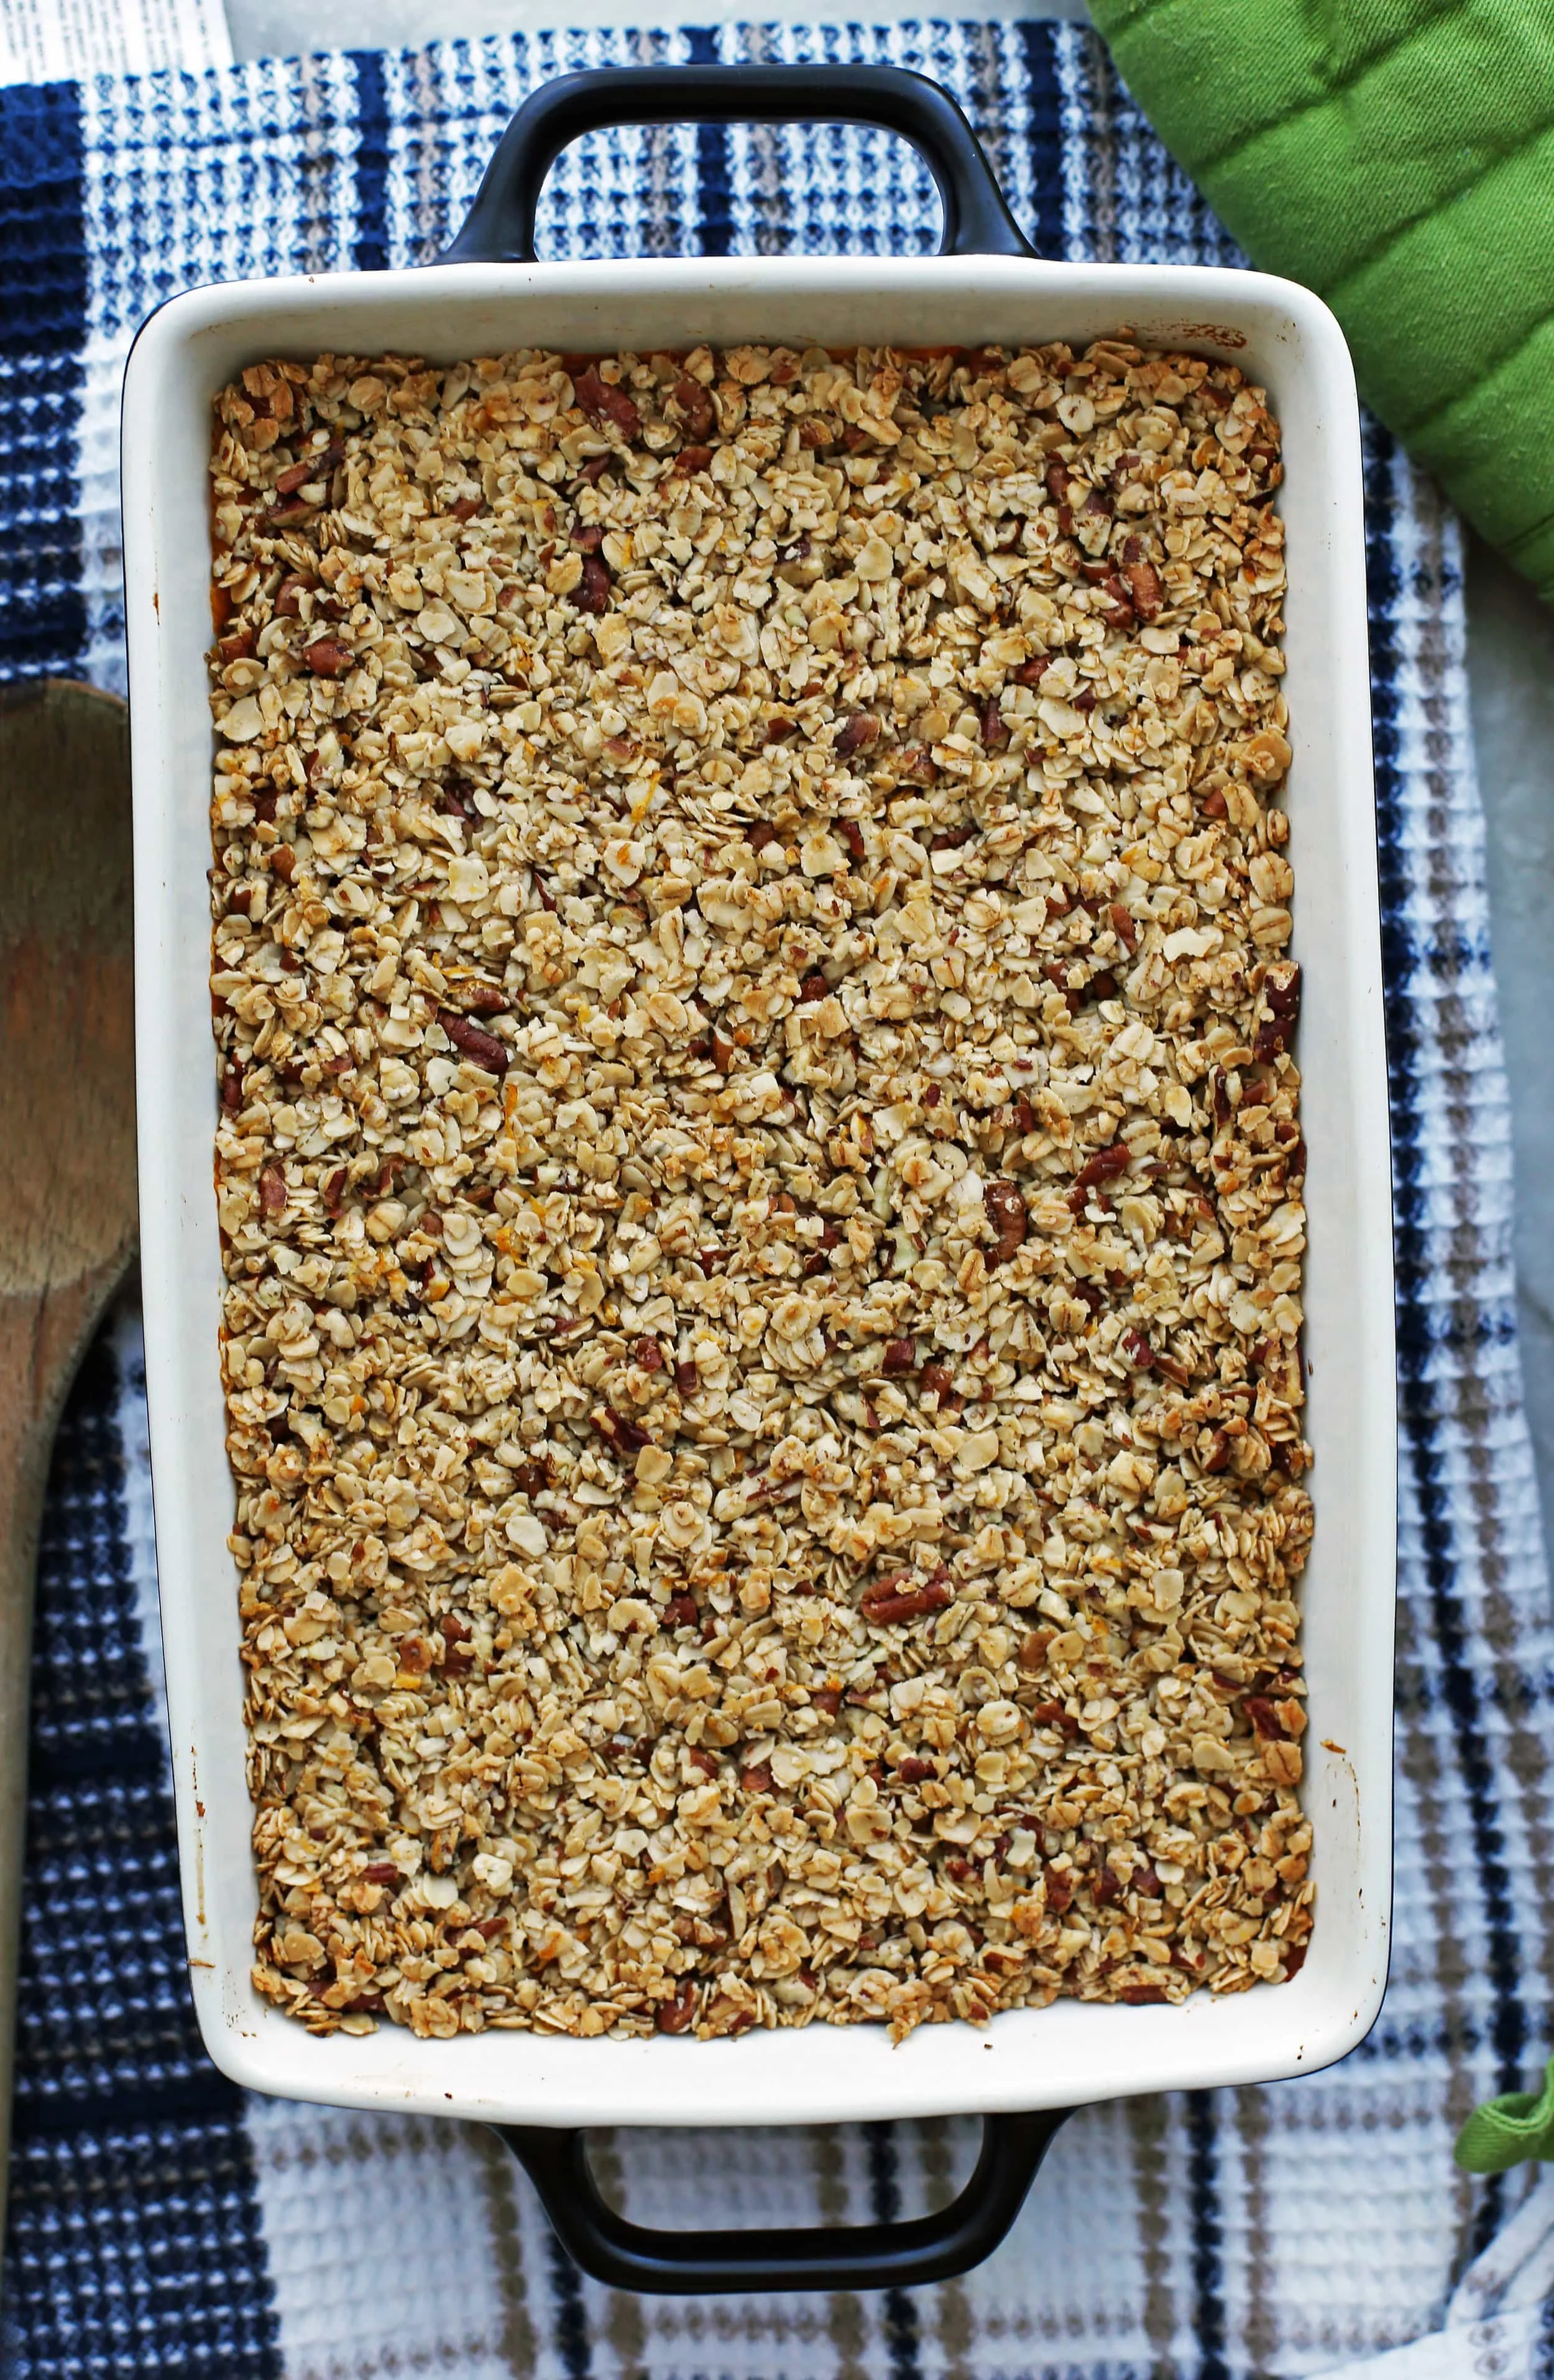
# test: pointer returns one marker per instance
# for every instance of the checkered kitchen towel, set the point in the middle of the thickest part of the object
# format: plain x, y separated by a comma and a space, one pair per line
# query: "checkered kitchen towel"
164, 2224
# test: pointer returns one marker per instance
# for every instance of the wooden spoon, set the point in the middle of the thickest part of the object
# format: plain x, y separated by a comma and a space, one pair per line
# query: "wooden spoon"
67, 1156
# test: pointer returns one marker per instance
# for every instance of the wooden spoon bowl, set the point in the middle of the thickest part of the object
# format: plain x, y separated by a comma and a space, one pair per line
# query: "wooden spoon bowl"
67, 1209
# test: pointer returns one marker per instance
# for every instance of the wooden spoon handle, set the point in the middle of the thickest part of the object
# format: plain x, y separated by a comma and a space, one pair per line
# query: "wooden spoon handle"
43, 1337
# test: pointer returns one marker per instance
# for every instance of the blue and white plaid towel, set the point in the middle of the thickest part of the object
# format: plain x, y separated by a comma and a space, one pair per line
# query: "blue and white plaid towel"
164, 2224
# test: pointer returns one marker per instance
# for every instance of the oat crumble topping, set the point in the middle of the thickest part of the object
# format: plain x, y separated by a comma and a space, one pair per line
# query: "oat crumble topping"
759, 1179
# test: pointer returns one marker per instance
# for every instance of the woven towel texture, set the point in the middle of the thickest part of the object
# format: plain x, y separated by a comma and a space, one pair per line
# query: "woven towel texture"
163, 2224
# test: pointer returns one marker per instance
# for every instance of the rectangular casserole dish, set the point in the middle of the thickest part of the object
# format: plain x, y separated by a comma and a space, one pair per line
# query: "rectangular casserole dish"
1281, 336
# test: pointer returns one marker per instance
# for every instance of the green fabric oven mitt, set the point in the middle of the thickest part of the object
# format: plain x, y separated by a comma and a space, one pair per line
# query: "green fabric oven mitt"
1397, 156
1508, 2131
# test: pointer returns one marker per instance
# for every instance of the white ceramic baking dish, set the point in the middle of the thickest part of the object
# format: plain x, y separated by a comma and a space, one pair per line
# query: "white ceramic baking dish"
1284, 338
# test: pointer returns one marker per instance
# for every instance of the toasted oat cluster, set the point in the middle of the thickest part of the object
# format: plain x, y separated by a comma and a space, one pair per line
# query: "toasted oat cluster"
761, 1184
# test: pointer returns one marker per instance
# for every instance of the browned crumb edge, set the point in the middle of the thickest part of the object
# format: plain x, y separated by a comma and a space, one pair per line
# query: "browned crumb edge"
761, 1184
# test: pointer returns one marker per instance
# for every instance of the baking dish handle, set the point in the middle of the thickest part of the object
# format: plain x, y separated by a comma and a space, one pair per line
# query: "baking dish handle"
857, 2257
499, 229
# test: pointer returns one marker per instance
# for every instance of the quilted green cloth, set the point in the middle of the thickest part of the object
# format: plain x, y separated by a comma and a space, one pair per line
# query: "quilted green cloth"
1397, 156
1510, 2130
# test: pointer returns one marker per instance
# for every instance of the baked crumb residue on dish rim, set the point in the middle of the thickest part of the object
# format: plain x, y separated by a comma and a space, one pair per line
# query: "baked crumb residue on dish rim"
761, 1184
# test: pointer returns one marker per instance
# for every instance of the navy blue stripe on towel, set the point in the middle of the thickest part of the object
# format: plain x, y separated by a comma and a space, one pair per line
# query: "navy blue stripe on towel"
1460, 1684
370, 251
133, 2254
43, 335
1208, 2233
713, 171
900, 2324
1416, 1345
1044, 100
135, 2244
569, 2314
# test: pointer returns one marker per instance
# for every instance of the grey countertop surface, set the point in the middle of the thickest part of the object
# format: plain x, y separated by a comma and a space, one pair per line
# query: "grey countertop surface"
1511, 652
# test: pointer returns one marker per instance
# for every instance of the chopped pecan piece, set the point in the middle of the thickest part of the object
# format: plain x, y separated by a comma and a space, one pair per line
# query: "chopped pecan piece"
593, 590
678, 2015
891, 1599
605, 401
484, 1048
1282, 991
326, 657
1055, 1714
695, 407
859, 733
483, 998
1104, 1166
1144, 580
1007, 1214
629, 1437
